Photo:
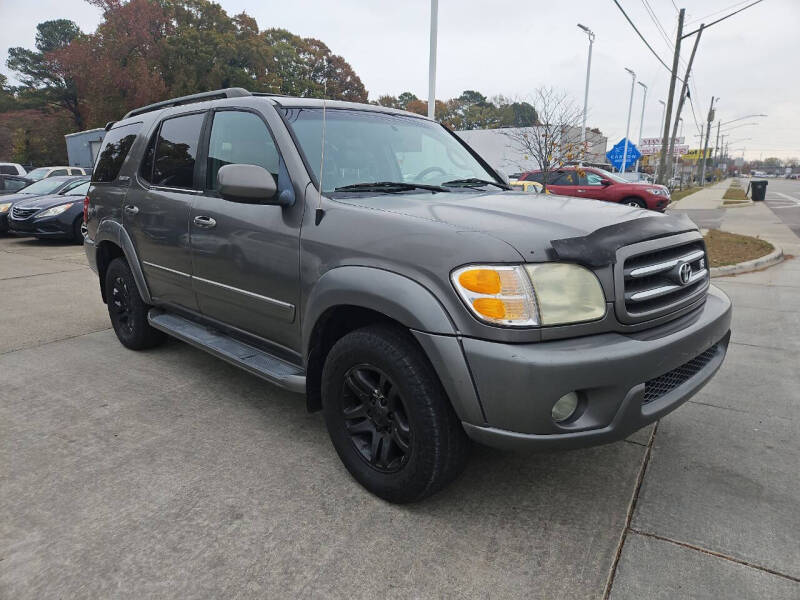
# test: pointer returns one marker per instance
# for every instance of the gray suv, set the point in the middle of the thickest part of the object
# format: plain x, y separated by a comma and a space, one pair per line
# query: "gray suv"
368, 258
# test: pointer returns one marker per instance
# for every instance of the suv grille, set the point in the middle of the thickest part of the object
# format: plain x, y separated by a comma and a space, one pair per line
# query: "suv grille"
22, 213
664, 384
662, 281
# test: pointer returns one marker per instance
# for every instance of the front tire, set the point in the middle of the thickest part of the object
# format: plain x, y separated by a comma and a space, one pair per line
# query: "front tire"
636, 202
127, 310
388, 416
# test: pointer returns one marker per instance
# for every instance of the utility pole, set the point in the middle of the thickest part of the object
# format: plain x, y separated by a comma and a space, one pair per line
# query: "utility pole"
590, 33
662, 163
432, 63
705, 148
641, 122
716, 149
628, 126
684, 93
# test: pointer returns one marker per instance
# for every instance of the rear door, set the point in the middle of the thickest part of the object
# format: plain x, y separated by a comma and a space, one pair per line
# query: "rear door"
246, 256
156, 211
564, 183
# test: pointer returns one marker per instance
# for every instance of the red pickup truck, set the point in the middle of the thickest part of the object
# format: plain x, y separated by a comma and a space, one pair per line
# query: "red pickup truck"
598, 184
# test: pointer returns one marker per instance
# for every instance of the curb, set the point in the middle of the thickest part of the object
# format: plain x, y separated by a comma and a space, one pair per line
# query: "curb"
757, 264
737, 204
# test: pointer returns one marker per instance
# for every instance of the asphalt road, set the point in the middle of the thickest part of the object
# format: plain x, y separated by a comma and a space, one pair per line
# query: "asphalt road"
783, 198
171, 474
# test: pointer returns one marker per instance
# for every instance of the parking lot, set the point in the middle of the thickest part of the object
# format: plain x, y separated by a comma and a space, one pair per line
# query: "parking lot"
171, 474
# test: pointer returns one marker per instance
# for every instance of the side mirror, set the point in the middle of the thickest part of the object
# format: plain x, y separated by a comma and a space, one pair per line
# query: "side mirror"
249, 184
605, 181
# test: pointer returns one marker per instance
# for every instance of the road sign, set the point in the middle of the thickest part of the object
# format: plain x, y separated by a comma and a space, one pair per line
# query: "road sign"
614, 155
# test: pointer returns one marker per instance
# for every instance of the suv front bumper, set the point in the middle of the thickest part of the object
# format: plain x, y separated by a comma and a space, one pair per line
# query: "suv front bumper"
518, 384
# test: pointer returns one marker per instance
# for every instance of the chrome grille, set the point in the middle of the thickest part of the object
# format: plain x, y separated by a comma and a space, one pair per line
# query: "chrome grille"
661, 276
22, 213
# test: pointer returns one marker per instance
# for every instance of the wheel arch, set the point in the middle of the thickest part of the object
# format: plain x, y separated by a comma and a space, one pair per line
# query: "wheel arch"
112, 241
348, 298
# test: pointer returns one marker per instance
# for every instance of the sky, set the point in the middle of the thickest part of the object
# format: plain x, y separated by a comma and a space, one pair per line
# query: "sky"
510, 47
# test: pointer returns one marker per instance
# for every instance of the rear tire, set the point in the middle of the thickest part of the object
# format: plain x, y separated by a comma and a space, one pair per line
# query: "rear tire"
388, 416
127, 310
635, 202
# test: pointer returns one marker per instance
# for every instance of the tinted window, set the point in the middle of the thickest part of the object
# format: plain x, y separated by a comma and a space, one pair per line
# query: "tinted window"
115, 148
239, 138
8, 170
176, 150
146, 170
535, 177
15, 184
563, 178
76, 171
58, 172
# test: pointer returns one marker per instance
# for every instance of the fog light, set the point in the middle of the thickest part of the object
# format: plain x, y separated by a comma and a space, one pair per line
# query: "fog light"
565, 407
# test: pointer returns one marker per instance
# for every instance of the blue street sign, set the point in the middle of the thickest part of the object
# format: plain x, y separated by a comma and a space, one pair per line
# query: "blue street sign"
614, 155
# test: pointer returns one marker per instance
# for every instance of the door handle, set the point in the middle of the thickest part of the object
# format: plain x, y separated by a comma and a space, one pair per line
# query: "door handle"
204, 222
132, 209
582, 191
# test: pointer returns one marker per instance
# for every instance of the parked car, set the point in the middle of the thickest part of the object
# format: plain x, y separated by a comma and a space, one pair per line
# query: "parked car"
11, 169
369, 258
44, 172
12, 183
598, 184
527, 186
51, 185
57, 215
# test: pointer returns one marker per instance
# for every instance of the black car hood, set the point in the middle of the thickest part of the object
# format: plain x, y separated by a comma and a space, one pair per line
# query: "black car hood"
14, 198
530, 223
42, 202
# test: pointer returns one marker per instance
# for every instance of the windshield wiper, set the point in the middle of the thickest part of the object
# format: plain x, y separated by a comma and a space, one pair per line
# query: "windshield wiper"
389, 186
474, 182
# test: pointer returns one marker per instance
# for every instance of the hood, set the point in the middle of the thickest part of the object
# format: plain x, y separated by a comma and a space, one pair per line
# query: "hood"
14, 198
43, 202
525, 221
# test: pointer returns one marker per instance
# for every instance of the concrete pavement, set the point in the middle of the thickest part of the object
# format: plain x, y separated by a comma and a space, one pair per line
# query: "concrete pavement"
171, 474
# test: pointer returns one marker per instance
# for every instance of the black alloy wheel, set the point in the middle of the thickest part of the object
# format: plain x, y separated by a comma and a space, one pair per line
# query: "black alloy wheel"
120, 303
376, 418
127, 310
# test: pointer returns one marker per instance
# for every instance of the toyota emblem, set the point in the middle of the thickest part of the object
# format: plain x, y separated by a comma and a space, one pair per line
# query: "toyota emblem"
685, 273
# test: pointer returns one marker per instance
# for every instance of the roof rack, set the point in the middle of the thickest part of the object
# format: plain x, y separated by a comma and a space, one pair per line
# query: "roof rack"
235, 92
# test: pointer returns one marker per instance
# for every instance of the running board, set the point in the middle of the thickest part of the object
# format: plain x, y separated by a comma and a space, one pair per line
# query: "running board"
244, 356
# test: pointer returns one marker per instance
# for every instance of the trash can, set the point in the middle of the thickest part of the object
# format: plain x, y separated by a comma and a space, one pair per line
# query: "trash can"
759, 190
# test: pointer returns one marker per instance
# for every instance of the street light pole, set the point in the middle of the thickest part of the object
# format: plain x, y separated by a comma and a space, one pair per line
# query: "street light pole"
432, 62
589, 33
628, 126
641, 122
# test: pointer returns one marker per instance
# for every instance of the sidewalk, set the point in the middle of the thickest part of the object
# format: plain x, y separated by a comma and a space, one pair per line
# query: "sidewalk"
707, 198
716, 515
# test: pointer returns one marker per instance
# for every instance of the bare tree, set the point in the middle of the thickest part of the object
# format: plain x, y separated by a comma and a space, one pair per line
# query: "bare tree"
557, 139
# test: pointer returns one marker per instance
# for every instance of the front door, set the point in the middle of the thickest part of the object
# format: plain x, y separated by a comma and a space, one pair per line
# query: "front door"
156, 211
246, 256
590, 185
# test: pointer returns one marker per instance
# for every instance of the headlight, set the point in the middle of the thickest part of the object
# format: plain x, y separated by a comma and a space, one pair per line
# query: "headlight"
534, 294
566, 293
658, 191
4, 207
56, 210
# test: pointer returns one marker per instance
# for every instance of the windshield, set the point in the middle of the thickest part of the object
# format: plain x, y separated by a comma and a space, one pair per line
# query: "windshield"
37, 174
611, 176
367, 147
43, 186
77, 189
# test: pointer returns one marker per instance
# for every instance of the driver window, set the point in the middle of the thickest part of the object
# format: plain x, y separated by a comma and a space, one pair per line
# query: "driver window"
239, 137
593, 179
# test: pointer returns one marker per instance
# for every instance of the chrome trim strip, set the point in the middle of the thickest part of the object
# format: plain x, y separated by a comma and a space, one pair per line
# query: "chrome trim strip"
658, 267
162, 188
280, 303
167, 269
665, 289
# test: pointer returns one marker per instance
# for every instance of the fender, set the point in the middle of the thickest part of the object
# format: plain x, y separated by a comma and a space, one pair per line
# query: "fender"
112, 231
394, 295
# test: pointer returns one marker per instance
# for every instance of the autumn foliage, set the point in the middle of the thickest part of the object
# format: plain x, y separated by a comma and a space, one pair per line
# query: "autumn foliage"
149, 50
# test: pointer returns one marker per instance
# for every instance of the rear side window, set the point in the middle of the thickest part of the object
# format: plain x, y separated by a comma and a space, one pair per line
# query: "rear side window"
176, 150
8, 170
116, 145
15, 184
58, 172
538, 177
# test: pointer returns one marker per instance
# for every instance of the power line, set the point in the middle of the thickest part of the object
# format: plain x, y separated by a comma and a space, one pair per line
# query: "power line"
657, 23
646, 43
721, 10
725, 17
